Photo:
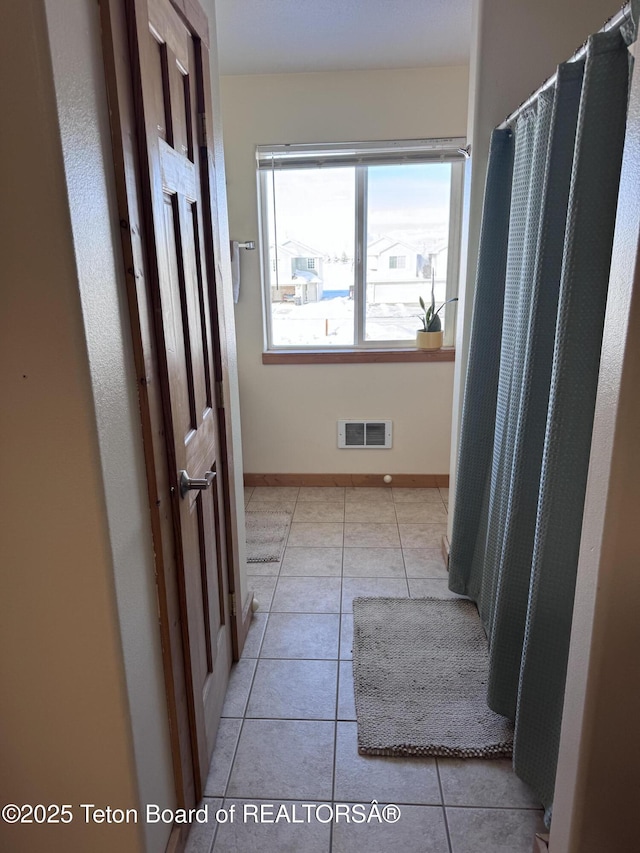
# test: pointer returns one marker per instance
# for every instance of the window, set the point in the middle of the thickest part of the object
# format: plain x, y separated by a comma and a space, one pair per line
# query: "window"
360, 231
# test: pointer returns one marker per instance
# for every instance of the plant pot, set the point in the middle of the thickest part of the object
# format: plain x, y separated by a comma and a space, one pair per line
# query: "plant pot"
429, 340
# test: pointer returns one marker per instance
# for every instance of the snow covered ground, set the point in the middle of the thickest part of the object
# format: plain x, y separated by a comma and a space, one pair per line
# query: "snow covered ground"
330, 323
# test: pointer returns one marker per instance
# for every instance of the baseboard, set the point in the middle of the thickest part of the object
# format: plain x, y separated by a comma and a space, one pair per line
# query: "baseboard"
403, 481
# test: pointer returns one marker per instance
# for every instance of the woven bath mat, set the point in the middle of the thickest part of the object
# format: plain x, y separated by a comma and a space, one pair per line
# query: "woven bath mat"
266, 535
420, 668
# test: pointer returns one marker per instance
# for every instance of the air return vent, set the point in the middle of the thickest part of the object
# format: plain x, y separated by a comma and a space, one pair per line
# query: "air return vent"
373, 435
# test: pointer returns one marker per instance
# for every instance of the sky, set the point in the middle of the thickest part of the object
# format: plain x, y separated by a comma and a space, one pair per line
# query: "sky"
406, 202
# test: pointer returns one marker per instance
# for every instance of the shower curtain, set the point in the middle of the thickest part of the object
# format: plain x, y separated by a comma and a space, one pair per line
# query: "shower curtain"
539, 305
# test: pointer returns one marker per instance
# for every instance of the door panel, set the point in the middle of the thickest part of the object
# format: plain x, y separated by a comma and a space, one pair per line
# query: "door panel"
170, 88
150, 45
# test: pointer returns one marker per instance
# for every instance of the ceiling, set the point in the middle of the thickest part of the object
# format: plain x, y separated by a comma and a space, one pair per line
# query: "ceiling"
280, 36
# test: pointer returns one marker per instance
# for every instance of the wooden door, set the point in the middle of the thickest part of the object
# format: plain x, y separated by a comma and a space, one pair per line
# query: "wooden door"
170, 114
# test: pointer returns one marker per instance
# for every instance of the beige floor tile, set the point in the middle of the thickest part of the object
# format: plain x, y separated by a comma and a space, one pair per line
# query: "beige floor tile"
373, 562
365, 587
346, 700
201, 835
263, 587
420, 829
356, 494
362, 778
222, 758
319, 511
422, 535
491, 784
271, 506
334, 494
283, 759
424, 563
275, 493
294, 689
431, 588
307, 595
416, 495
493, 830
248, 492
246, 835
316, 535
346, 636
309, 636
305, 562
370, 535
445, 494
255, 636
418, 513
240, 678
298, 681
370, 511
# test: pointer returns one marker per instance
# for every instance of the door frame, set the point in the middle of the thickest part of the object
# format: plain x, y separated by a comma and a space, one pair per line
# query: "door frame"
116, 17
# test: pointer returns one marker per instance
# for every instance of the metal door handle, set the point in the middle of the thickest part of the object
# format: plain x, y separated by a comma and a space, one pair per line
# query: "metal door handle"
188, 483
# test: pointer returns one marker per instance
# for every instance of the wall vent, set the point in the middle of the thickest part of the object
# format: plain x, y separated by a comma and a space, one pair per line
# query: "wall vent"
370, 435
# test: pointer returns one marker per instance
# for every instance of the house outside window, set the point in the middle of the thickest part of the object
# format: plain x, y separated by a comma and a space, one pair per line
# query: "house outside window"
360, 232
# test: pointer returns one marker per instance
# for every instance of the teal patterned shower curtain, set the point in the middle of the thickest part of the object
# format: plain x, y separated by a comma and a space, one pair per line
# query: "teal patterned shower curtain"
539, 305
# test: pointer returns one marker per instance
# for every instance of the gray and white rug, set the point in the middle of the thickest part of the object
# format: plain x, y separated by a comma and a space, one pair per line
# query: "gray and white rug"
266, 535
420, 669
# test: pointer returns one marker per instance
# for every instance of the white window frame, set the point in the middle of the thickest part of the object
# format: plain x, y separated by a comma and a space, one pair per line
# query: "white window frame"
271, 157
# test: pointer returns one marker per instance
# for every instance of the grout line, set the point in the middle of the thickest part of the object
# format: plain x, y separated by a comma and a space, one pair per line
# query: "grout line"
242, 722
497, 808
267, 613
337, 706
274, 719
351, 800
444, 811
332, 660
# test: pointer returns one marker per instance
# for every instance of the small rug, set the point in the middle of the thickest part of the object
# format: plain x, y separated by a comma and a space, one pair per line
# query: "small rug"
266, 535
420, 668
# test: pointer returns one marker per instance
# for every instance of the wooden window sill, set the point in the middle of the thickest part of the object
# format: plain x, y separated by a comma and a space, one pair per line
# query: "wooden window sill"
352, 356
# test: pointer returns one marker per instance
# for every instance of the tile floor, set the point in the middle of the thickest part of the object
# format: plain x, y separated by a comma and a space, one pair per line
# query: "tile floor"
288, 731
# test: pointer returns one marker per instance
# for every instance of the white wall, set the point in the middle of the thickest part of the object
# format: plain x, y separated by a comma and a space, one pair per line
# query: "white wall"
82, 701
74, 35
289, 413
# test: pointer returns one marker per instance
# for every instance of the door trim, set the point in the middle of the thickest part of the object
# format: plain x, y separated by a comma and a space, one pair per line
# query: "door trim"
121, 92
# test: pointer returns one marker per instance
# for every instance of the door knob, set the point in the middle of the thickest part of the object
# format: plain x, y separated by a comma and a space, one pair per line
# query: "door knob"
188, 484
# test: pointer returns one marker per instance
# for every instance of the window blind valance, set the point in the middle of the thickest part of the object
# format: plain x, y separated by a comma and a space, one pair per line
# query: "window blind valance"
333, 155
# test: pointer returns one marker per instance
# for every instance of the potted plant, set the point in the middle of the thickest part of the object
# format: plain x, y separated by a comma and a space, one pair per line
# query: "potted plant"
430, 335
